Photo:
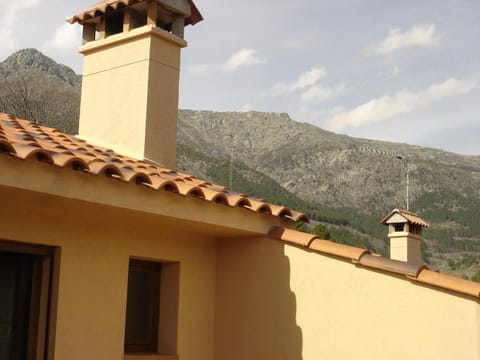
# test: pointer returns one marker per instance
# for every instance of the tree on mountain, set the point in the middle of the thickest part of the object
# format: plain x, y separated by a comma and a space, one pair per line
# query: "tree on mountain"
322, 231
42, 99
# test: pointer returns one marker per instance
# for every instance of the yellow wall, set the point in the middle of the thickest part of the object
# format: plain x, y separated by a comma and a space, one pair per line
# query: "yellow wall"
295, 304
405, 246
242, 296
96, 243
130, 93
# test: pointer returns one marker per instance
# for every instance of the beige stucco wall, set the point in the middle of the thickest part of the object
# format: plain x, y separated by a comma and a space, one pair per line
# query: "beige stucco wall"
130, 93
288, 303
96, 243
242, 296
406, 246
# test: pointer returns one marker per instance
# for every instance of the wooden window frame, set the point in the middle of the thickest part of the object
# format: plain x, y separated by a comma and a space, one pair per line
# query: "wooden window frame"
44, 295
149, 344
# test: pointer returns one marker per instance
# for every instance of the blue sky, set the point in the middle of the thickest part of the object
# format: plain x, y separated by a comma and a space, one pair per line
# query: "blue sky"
404, 71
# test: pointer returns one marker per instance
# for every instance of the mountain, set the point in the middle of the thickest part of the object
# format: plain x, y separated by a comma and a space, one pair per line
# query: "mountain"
28, 60
351, 181
35, 87
346, 185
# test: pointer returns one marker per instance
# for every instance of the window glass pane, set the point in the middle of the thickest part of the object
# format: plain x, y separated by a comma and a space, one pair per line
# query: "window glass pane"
7, 291
139, 304
15, 299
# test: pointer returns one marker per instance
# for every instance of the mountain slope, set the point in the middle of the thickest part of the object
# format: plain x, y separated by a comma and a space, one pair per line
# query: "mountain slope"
34, 87
346, 183
28, 60
351, 181
326, 167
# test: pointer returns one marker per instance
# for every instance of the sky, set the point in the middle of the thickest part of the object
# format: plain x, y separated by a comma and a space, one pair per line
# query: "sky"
404, 71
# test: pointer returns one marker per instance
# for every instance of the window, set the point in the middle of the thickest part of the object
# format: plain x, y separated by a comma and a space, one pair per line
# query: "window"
399, 227
415, 229
25, 283
141, 327
152, 307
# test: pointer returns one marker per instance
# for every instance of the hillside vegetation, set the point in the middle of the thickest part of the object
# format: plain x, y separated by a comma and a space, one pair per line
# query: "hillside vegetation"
346, 185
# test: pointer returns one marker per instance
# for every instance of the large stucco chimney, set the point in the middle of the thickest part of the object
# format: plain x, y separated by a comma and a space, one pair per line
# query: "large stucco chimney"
405, 235
131, 74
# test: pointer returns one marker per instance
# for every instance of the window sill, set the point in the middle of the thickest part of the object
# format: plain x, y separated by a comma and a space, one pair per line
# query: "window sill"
150, 357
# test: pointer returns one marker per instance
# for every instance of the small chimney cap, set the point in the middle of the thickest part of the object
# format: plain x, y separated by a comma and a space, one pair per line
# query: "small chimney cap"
108, 5
407, 215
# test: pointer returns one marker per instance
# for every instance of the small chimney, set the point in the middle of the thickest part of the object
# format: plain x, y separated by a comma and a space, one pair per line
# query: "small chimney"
131, 74
405, 234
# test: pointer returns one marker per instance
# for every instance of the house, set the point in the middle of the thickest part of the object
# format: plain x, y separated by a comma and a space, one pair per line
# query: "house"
113, 254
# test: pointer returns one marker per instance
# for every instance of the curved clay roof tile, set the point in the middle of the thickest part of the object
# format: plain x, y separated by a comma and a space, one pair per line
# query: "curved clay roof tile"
24, 140
161, 183
298, 216
291, 236
103, 7
280, 211
97, 168
67, 160
215, 196
6, 147
237, 200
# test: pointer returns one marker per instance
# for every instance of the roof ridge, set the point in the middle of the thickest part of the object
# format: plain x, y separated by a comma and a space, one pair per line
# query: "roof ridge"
103, 6
410, 216
362, 257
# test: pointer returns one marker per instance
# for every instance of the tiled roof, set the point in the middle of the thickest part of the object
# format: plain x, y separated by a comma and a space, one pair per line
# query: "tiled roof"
411, 217
23, 139
102, 7
362, 257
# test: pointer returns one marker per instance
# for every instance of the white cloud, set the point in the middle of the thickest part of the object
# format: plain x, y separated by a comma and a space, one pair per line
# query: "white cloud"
395, 72
246, 108
199, 70
310, 90
309, 78
65, 38
320, 93
419, 35
7, 41
387, 106
306, 79
242, 58
8, 21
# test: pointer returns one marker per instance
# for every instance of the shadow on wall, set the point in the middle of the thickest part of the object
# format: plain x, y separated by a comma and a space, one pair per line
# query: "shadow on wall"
256, 309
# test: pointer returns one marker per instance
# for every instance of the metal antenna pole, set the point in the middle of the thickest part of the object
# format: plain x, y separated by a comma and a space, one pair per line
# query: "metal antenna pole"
395, 156
408, 182
231, 169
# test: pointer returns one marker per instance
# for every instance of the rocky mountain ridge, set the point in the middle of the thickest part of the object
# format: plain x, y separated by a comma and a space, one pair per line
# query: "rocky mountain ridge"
326, 167
349, 184
32, 60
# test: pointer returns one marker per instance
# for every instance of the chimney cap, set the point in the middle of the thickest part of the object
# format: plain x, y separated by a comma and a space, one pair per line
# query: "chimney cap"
407, 215
109, 5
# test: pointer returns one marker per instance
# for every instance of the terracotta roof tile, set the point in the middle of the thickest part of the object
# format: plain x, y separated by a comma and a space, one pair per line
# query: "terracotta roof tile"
104, 6
411, 217
314, 243
389, 265
23, 139
292, 236
452, 283
363, 258
333, 248
298, 216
